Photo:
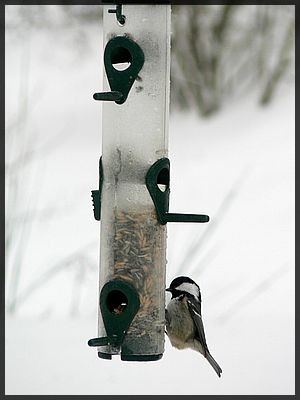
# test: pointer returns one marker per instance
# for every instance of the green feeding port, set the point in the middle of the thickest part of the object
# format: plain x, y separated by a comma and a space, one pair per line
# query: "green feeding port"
158, 184
119, 303
123, 60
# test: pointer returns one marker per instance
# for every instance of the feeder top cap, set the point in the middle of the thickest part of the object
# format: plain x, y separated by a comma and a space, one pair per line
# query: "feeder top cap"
134, 2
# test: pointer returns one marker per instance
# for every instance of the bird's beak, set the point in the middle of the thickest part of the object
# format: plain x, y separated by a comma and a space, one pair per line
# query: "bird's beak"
168, 290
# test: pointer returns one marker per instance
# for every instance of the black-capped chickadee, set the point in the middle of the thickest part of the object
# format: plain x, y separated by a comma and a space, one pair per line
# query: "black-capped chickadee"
184, 325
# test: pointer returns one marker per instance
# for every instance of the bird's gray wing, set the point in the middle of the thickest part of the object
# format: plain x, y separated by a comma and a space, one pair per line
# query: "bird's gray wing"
195, 311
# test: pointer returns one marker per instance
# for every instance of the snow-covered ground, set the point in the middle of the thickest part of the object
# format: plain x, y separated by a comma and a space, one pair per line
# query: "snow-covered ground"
51, 357
237, 167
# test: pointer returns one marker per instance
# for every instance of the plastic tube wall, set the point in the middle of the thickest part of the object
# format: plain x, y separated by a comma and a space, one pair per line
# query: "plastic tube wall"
134, 136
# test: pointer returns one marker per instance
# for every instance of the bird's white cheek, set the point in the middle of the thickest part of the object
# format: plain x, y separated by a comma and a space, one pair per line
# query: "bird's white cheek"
190, 288
168, 298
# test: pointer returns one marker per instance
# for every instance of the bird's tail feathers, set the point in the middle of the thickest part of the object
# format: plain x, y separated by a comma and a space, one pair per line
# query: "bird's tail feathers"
214, 363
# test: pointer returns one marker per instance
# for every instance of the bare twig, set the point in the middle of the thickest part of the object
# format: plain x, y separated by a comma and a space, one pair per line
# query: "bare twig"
192, 252
281, 65
206, 259
253, 293
60, 266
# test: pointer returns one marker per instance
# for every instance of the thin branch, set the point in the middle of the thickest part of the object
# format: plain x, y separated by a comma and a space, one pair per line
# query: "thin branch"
29, 155
281, 66
60, 266
192, 251
205, 261
253, 293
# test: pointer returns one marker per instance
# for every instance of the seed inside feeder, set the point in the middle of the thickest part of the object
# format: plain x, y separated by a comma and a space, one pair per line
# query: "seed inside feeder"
137, 244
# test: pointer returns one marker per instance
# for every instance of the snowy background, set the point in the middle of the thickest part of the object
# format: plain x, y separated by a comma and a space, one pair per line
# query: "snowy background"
237, 167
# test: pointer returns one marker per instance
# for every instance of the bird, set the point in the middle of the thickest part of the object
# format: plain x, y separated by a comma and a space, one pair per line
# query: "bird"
184, 325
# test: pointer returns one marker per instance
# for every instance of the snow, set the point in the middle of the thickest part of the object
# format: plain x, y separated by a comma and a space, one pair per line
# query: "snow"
237, 167
51, 357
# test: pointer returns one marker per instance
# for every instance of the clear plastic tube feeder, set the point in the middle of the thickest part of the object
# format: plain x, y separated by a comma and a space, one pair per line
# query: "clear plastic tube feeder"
132, 201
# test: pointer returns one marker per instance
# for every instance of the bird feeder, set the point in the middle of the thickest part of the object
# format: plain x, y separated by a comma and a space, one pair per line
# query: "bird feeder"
132, 201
